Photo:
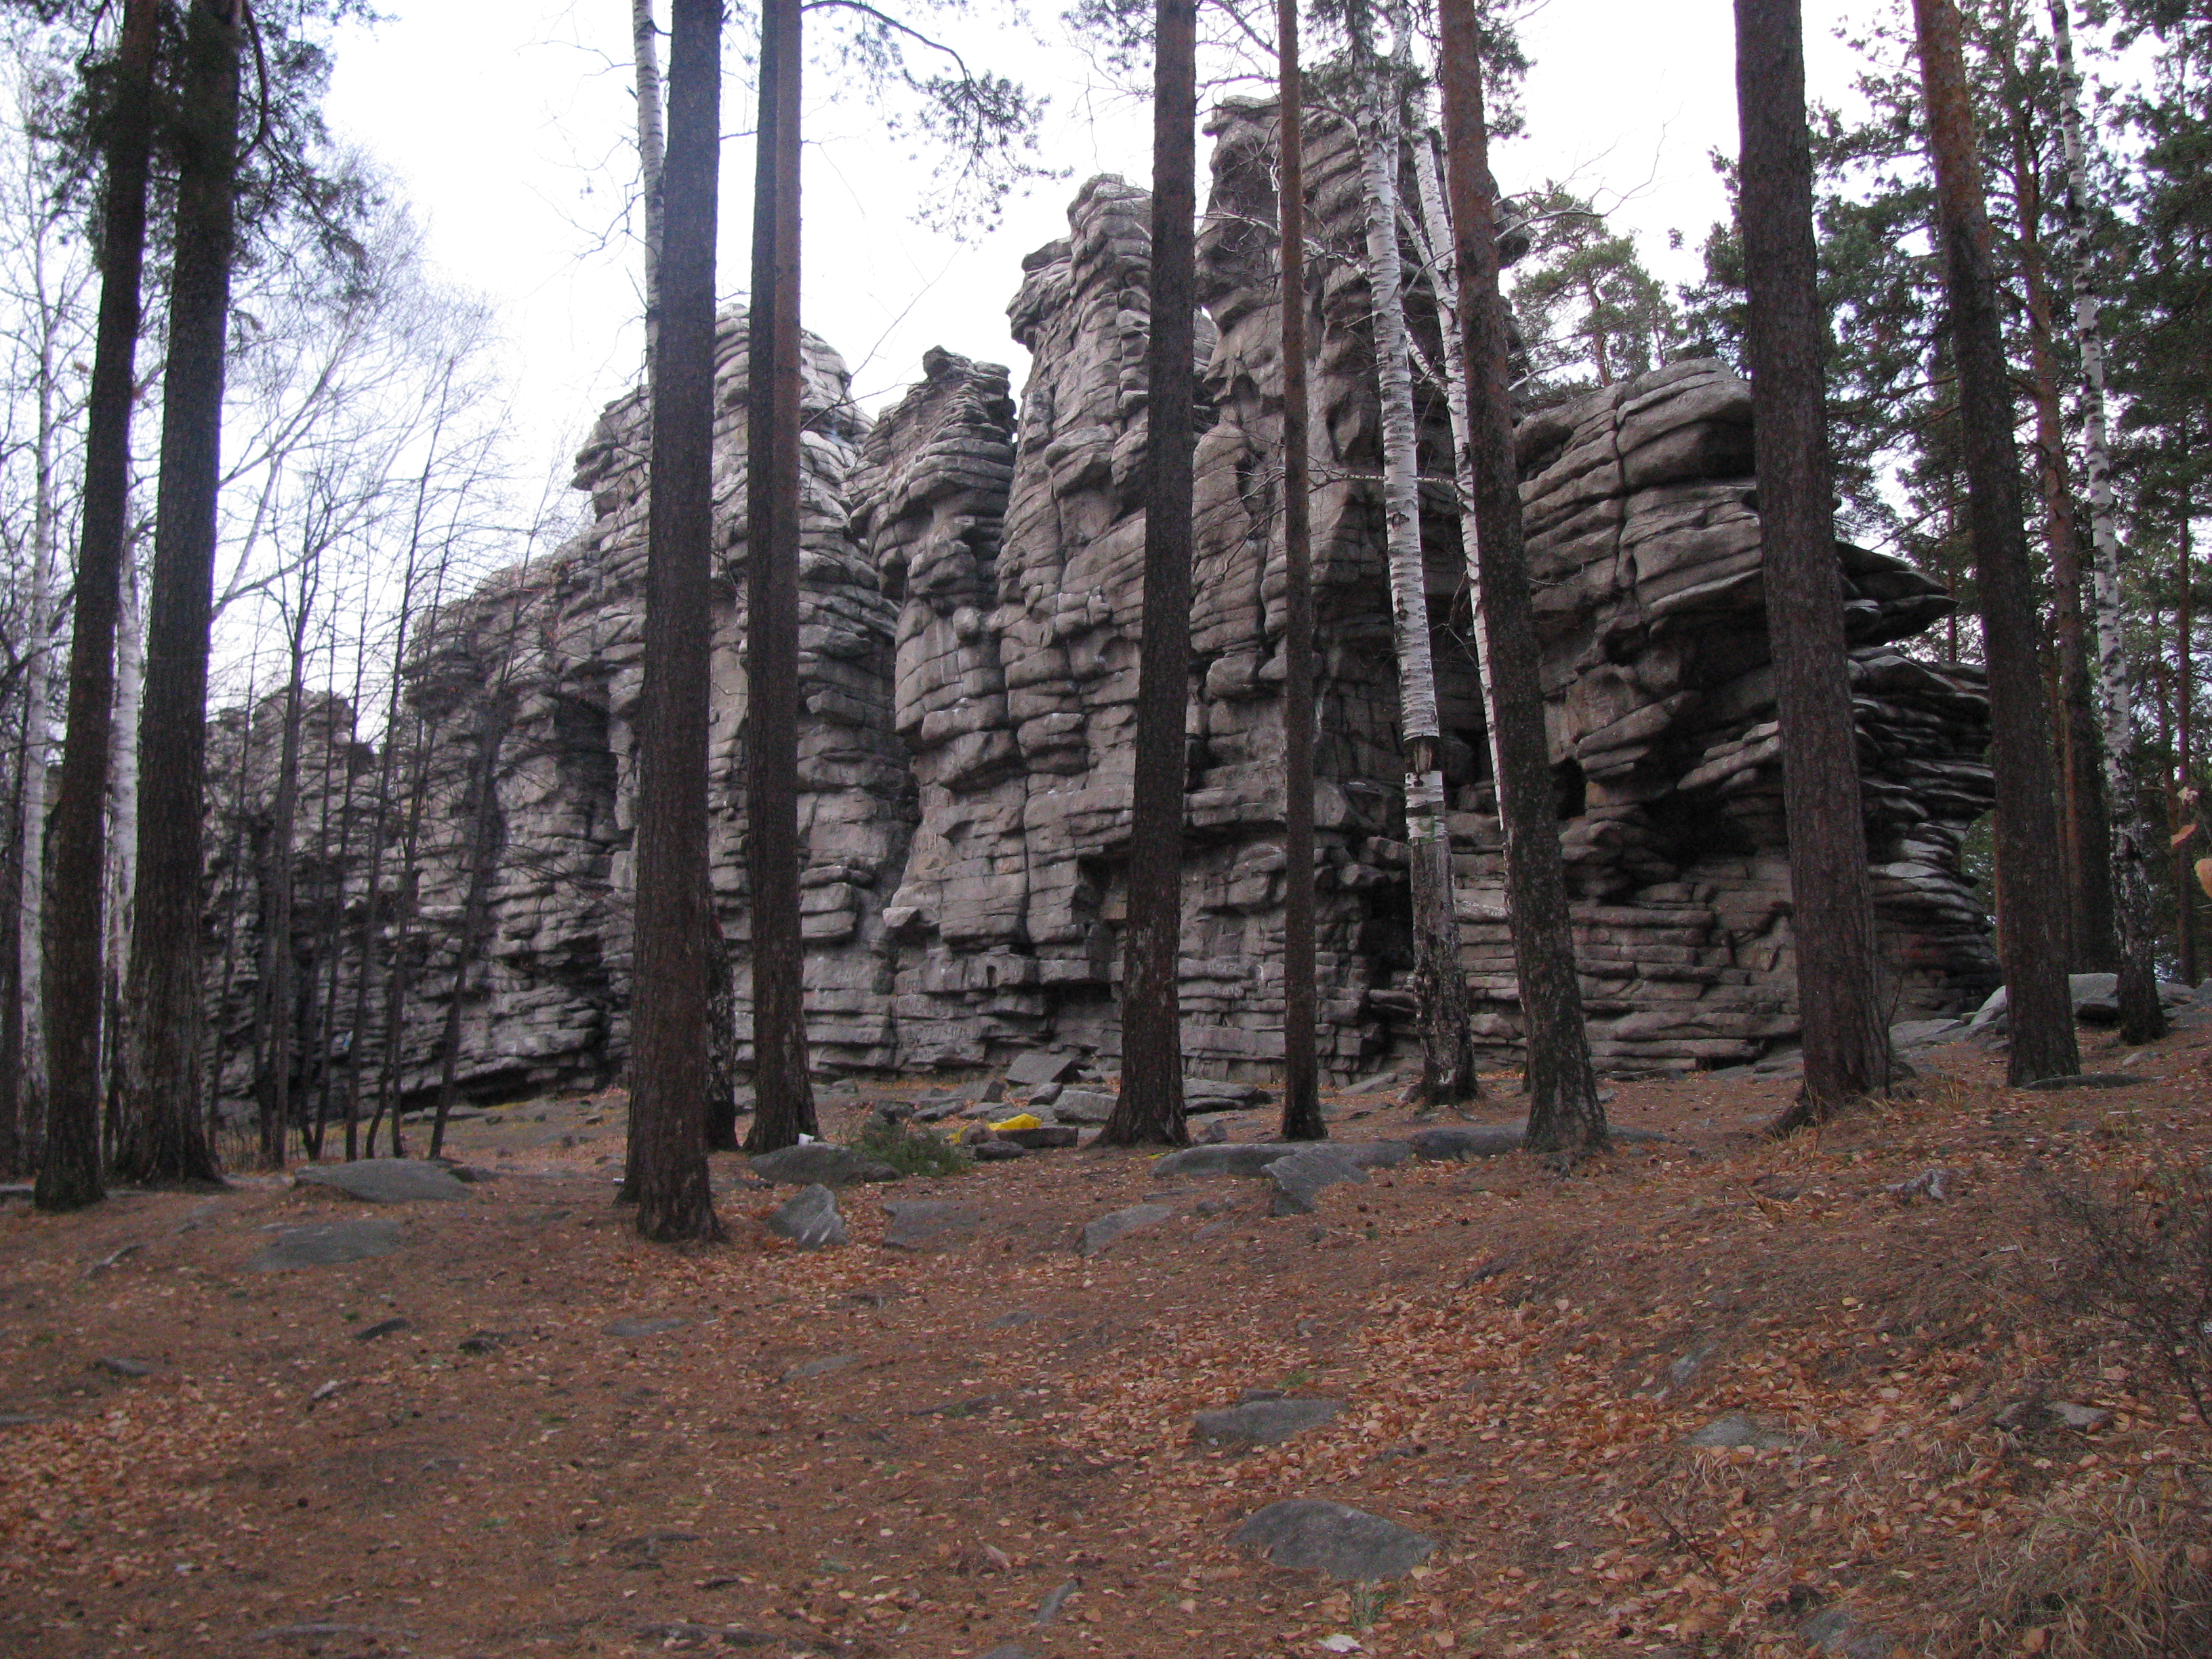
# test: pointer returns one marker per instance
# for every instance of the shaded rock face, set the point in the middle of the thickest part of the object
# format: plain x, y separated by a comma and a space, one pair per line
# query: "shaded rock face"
970, 598
545, 664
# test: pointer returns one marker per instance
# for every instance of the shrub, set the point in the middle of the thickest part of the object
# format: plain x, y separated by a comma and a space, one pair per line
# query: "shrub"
2140, 1258
911, 1152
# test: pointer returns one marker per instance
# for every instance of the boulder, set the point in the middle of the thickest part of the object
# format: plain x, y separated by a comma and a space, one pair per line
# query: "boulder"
1232, 1159
1036, 1066
1300, 1178
326, 1244
817, 1162
1335, 1539
1082, 1106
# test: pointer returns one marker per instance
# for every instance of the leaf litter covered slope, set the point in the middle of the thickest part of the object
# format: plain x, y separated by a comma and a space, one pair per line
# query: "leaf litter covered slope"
877, 1452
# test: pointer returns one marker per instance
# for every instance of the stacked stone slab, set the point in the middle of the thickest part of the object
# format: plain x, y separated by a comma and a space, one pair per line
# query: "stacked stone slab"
970, 610
1644, 541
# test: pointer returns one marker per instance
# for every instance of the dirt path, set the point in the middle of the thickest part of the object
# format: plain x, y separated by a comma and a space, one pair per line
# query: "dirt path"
872, 1451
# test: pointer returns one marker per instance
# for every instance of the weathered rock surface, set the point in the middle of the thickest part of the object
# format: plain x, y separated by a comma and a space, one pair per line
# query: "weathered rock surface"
1263, 1422
1334, 1538
1300, 1179
810, 1220
384, 1180
324, 1244
817, 1162
921, 1224
1116, 1224
970, 592
1237, 1158
1741, 1429
631, 1329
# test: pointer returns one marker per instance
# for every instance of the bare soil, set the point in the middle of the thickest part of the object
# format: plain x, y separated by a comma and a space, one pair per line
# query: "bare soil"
874, 1452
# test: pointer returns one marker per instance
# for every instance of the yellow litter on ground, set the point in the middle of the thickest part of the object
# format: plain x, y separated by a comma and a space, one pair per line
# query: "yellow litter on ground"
1020, 1120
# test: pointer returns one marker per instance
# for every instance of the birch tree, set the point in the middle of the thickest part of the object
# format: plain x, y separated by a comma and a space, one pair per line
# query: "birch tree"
1439, 983
2141, 1017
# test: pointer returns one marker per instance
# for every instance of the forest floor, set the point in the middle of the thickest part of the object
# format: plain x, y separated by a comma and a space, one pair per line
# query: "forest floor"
866, 1451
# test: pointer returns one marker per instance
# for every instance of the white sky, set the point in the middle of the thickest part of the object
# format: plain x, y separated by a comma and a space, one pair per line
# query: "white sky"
510, 124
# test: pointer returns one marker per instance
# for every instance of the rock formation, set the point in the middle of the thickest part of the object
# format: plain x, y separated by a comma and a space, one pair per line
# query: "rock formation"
969, 609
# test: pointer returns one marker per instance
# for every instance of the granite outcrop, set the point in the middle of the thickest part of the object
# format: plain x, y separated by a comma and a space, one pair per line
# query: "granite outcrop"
970, 606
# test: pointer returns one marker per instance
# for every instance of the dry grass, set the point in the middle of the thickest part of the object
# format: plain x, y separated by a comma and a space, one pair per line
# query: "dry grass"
2112, 1568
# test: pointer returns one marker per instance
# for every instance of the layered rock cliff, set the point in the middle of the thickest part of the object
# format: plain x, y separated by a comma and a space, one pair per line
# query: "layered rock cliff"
969, 611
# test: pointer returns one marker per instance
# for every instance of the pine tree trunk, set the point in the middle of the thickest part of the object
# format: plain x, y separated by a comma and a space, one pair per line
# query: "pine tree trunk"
69, 1171
1448, 1074
1847, 1042
1302, 1118
783, 1105
1566, 1118
2031, 918
2092, 945
668, 998
164, 1138
2141, 1017
1150, 1108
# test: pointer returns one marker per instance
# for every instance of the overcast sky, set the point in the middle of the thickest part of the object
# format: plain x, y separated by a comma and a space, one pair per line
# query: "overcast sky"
510, 124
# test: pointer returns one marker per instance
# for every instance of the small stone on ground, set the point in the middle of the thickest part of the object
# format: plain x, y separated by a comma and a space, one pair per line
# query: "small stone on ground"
1105, 1230
1263, 1422
810, 1220
828, 1366
630, 1327
1741, 1429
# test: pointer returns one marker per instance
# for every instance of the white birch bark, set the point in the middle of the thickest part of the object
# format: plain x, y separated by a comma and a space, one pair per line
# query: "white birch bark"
651, 148
38, 695
2142, 1018
1432, 226
123, 776
1439, 982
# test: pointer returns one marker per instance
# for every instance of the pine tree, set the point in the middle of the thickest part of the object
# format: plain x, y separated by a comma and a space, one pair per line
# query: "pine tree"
1845, 1040
2031, 928
1566, 1118
1150, 1108
668, 1055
